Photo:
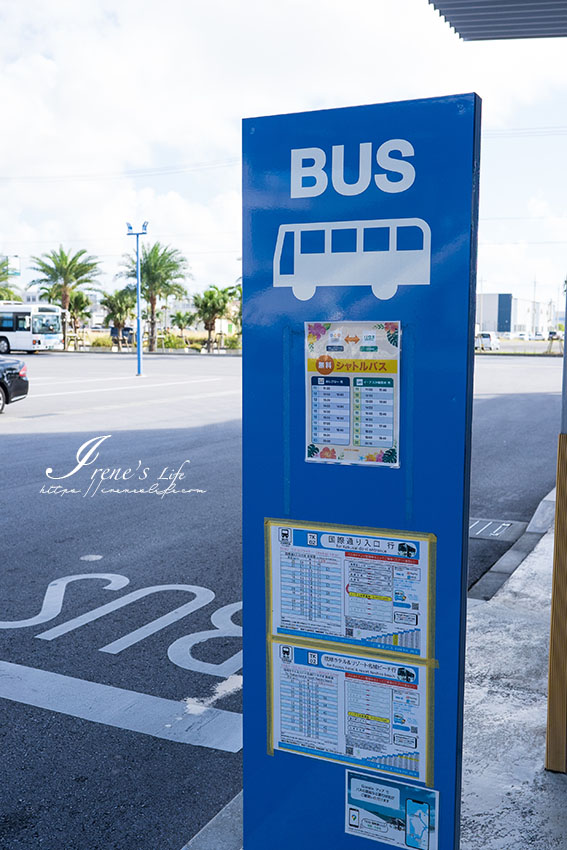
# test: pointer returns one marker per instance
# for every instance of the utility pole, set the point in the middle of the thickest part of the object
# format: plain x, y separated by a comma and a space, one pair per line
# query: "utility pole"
139, 336
556, 752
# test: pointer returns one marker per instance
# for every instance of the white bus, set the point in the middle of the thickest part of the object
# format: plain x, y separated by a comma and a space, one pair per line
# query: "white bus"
381, 253
29, 327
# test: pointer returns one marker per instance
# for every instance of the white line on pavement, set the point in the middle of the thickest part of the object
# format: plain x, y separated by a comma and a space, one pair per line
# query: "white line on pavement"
65, 380
139, 386
144, 403
161, 718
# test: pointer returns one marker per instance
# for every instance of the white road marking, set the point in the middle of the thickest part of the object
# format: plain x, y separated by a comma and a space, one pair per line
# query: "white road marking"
144, 403
202, 597
129, 387
180, 651
223, 689
54, 594
121, 708
66, 381
90, 558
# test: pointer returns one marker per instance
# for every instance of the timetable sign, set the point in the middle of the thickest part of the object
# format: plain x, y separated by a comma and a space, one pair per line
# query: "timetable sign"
352, 392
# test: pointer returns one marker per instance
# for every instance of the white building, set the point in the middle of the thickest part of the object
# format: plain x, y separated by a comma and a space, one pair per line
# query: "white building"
505, 314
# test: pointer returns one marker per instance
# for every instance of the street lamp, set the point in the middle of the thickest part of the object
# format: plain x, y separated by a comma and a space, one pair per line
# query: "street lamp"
139, 338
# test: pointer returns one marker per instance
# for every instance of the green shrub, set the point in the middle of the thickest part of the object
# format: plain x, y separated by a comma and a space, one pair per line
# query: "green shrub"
173, 341
233, 342
196, 339
102, 342
195, 346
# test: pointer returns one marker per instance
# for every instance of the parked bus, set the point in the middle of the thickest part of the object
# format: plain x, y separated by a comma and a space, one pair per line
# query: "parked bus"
29, 327
383, 254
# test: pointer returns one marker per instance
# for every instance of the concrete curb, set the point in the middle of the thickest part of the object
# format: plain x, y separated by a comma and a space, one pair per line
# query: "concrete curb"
492, 580
223, 832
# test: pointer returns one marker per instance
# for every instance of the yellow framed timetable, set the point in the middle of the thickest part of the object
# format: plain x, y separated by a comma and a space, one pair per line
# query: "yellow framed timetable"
365, 587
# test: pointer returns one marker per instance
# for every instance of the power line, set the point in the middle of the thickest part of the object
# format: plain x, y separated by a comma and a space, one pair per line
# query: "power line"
167, 170
524, 132
163, 171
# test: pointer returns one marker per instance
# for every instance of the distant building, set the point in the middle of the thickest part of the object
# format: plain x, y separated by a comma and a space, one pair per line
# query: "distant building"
33, 296
505, 314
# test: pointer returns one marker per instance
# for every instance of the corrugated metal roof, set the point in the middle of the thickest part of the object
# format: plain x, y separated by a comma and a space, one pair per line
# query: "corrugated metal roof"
481, 20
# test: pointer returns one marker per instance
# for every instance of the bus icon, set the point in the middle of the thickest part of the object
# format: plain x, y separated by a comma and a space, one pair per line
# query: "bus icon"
381, 253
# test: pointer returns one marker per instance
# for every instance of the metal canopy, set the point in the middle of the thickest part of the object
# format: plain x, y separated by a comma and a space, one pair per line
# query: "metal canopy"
483, 20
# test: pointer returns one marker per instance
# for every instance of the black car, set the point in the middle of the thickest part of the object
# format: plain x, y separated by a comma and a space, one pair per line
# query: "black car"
13, 381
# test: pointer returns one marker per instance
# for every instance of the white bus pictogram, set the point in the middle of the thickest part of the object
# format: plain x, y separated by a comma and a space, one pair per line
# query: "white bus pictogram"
381, 253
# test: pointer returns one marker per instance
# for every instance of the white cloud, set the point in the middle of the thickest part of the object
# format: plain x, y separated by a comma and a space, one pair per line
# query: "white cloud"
93, 89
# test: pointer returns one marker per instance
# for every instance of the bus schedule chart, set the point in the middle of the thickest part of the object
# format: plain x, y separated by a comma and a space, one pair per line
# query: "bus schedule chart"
352, 373
361, 711
351, 585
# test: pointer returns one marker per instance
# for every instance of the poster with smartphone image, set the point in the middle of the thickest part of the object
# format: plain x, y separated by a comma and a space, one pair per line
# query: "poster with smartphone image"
393, 813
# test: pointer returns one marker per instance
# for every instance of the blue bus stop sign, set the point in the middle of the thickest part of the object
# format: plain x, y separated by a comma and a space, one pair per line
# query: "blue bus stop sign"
359, 258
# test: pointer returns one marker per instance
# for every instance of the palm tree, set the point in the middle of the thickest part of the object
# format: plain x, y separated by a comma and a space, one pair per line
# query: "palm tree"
7, 293
78, 310
236, 295
61, 273
182, 320
119, 308
162, 269
210, 306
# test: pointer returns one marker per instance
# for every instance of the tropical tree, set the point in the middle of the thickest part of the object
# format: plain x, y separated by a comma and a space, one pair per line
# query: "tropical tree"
162, 270
62, 273
119, 308
182, 320
210, 306
236, 295
78, 310
7, 293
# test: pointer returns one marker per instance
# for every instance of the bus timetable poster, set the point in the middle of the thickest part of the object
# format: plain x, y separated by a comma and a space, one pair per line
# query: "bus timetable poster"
352, 392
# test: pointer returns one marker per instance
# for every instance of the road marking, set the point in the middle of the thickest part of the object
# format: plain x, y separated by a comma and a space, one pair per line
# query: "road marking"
123, 709
55, 593
90, 558
496, 529
129, 387
144, 403
180, 650
202, 597
223, 689
66, 381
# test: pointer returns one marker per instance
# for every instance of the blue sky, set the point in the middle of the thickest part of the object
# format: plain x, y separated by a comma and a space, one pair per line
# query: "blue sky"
128, 111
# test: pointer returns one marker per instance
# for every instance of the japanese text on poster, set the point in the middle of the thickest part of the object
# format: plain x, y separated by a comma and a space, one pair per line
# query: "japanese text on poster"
351, 586
391, 812
352, 709
352, 392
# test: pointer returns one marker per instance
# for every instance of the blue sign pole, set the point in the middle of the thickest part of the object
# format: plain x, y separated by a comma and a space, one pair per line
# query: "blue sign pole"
139, 335
359, 292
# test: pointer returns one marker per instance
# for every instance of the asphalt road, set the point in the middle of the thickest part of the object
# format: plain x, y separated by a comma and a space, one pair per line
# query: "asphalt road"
119, 783
516, 419
71, 783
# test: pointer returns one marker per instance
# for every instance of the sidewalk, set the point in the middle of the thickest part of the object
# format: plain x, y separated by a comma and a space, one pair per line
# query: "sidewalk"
509, 801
